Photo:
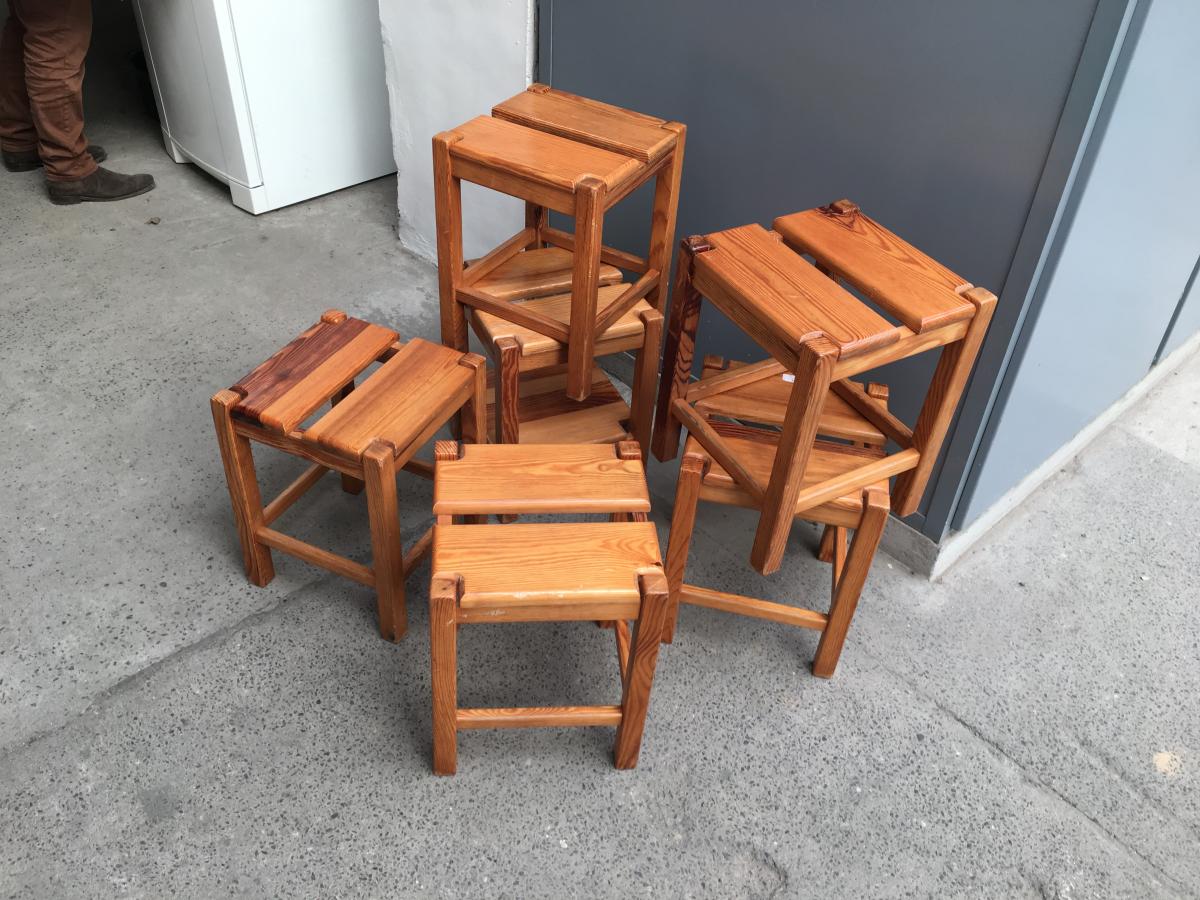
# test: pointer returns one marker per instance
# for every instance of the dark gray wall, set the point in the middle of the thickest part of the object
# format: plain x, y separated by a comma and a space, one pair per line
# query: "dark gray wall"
1123, 260
938, 117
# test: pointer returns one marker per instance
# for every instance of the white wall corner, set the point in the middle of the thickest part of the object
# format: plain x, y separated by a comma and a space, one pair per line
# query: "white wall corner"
447, 63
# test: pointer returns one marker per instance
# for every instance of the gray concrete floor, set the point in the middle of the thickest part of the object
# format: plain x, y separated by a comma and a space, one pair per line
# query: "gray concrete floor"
1027, 726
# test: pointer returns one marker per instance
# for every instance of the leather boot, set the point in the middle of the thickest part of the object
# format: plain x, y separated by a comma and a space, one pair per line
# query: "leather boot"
28, 160
102, 185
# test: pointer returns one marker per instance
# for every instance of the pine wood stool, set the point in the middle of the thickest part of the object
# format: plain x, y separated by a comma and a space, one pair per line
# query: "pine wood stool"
368, 435
608, 572
818, 336
579, 157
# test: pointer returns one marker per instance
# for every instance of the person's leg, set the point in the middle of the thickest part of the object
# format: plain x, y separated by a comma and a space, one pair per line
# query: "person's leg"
17, 134
57, 35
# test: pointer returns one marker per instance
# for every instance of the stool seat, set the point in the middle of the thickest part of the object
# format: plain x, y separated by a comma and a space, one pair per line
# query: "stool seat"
501, 479
589, 121
537, 273
756, 448
287, 388
542, 160
420, 376
554, 570
781, 300
765, 402
623, 334
919, 291
546, 415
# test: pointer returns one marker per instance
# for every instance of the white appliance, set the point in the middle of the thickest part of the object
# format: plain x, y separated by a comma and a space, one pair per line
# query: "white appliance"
282, 100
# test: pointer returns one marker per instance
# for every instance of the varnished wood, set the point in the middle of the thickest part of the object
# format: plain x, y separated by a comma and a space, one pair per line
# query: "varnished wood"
565, 478
540, 351
678, 349
663, 217
524, 314
716, 445
350, 484
244, 495
850, 583
538, 717
683, 521
585, 282
949, 382
781, 301
387, 558
547, 416
447, 191
588, 121
591, 563
421, 376
317, 556
643, 657
609, 255
287, 388
920, 292
624, 302
813, 372
501, 255
749, 606
293, 492
443, 654
418, 387
541, 272
873, 411
641, 418
506, 409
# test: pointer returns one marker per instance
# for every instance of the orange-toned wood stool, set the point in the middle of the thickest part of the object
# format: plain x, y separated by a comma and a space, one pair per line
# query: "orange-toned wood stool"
368, 435
608, 572
560, 292
818, 451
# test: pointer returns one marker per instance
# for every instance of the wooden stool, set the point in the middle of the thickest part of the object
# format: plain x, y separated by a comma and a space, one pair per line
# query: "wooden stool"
527, 397
368, 435
818, 336
545, 572
560, 152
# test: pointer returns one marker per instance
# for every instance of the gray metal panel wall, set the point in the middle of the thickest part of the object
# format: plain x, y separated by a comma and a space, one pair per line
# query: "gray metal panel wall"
937, 117
1127, 252
1187, 317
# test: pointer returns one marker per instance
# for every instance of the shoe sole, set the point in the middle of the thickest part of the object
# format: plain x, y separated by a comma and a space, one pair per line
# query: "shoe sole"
71, 201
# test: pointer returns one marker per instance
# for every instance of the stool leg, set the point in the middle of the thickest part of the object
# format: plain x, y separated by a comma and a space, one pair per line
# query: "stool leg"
643, 656
825, 550
350, 484
474, 412
850, 584
244, 494
443, 653
642, 412
387, 556
585, 282
662, 219
678, 350
507, 409
683, 520
813, 372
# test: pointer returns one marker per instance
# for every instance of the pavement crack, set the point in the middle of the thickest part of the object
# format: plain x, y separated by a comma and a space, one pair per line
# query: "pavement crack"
1032, 780
134, 680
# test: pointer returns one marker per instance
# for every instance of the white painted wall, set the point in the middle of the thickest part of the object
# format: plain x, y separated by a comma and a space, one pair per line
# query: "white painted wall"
449, 61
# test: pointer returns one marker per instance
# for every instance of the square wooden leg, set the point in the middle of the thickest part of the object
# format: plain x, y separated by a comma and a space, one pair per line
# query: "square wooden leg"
643, 656
585, 282
679, 542
350, 484
678, 350
244, 494
507, 403
850, 583
443, 652
642, 408
474, 411
387, 556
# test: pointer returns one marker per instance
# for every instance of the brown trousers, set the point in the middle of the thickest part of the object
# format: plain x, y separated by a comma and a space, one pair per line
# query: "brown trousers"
42, 50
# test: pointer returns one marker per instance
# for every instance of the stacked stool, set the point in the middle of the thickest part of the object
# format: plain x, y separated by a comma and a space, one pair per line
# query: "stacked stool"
546, 302
793, 436
370, 433
605, 571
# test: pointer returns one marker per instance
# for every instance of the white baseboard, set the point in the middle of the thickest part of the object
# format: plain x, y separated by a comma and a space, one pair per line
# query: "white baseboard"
954, 546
